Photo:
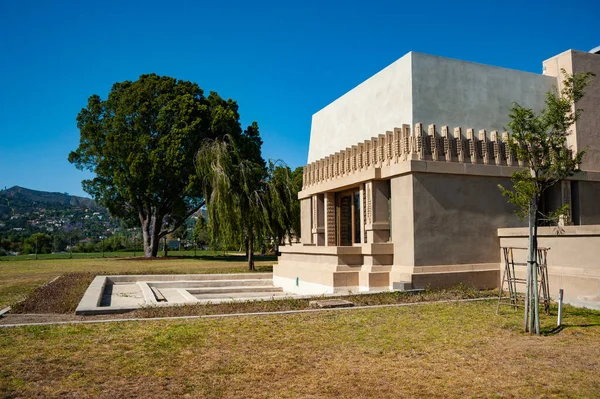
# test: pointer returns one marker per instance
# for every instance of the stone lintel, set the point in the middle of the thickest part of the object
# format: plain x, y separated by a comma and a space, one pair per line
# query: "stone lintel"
384, 225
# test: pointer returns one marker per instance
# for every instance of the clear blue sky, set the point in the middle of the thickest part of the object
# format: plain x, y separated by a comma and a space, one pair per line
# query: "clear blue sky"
282, 61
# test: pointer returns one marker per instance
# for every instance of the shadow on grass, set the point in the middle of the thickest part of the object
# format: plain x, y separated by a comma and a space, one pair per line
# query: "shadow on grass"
563, 327
232, 258
139, 256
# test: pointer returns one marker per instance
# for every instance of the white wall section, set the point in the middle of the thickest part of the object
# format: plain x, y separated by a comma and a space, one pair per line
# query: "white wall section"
380, 103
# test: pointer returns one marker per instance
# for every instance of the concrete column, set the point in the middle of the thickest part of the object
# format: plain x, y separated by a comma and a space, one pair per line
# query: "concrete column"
329, 205
403, 228
363, 232
318, 222
306, 221
377, 223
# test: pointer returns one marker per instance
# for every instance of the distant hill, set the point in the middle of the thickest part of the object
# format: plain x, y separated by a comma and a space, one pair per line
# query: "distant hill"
20, 200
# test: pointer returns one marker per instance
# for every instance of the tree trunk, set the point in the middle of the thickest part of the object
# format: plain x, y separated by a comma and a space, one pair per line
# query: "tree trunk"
146, 237
532, 316
165, 248
151, 226
250, 252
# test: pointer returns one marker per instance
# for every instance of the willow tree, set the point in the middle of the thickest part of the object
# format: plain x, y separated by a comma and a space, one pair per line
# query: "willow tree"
247, 201
539, 141
282, 200
141, 143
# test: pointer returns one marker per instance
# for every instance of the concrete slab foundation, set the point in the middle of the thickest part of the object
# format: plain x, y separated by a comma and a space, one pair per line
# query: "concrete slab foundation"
118, 294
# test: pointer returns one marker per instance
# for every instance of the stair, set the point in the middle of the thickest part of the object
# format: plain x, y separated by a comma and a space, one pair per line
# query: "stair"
211, 283
233, 290
226, 289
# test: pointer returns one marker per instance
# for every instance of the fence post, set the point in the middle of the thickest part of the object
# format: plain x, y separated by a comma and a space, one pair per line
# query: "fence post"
560, 303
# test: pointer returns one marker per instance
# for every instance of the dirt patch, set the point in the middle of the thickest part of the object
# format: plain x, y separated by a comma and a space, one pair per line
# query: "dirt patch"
62, 295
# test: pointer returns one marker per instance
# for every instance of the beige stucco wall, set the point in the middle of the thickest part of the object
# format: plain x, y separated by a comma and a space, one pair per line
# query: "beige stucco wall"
461, 93
455, 217
573, 262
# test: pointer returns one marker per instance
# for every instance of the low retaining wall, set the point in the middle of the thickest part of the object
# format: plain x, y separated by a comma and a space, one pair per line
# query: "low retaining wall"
316, 270
573, 260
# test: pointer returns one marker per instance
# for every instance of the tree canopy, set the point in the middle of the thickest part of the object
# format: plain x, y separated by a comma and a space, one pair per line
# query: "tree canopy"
141, 144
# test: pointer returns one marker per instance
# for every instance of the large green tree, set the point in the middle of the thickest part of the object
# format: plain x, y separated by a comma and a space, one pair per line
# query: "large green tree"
248, 201
539, 141
141, 143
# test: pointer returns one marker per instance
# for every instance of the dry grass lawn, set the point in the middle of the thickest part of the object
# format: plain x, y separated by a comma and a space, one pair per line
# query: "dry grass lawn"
432, 350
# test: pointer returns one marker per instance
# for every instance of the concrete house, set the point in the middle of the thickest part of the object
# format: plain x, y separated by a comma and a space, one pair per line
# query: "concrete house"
401, 185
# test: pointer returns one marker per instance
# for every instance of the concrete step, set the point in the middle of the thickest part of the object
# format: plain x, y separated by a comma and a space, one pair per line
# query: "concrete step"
126, 279
212, 283
241, 297
233, 290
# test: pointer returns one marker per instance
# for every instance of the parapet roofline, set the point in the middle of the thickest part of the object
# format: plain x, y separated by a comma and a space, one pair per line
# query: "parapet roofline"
412, 53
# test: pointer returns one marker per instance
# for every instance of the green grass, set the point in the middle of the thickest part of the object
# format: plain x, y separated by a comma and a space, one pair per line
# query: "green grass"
433, 350
118, 254
20, 278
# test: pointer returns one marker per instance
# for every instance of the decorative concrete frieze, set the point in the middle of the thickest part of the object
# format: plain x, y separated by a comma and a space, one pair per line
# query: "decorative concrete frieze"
497, 148
348, 162
447, 145
401, 145
381, 153
472, 145
460, 144
367, 154
389, 141
406, 142
304, 180
510, 158
360, 156
484, 146
373, 154
419, 141
433, 144
397, 145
